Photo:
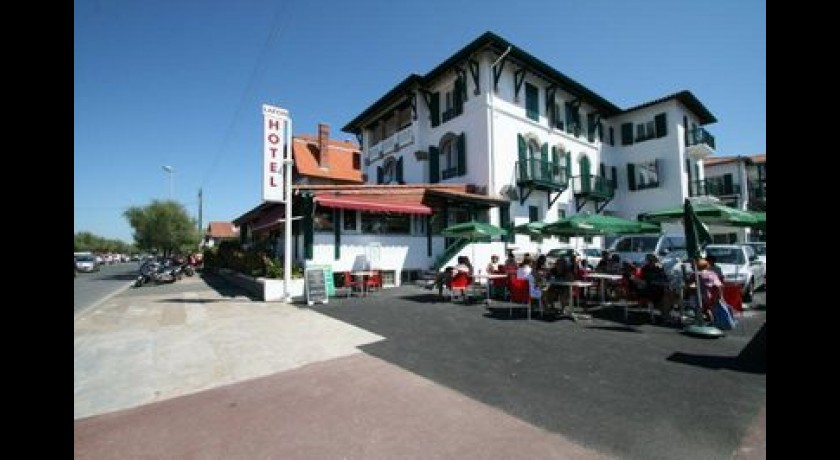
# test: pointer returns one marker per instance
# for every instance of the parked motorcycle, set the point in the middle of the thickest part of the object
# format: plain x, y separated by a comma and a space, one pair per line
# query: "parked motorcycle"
158, 272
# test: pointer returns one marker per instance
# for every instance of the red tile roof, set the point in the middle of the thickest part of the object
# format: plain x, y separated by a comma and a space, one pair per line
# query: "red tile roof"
222, 230
340, 163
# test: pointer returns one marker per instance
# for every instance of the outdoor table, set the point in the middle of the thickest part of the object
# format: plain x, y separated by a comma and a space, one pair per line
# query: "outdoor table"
363, 275
572, 284
603, 285
489, 277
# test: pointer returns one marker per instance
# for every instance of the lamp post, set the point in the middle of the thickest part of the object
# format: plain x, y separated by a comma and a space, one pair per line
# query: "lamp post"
169, 170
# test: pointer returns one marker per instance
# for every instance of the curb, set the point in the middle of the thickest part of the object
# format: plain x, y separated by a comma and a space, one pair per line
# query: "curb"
83, 312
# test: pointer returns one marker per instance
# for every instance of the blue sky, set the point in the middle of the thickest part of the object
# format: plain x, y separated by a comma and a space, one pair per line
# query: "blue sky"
182, 83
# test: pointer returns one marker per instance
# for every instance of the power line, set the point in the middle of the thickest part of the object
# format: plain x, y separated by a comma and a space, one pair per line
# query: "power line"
259, 68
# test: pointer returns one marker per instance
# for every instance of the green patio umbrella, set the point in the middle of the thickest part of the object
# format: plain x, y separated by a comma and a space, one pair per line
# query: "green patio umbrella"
760, 219
598, 224
709, 212
473, 231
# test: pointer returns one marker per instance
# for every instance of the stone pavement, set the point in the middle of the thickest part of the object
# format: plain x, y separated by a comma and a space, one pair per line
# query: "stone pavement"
186, 370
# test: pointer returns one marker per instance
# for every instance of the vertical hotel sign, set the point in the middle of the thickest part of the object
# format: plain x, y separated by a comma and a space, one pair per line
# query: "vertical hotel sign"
276, 147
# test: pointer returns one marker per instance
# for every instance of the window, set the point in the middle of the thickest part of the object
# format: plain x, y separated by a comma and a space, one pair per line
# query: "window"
323, 220
449, 151
642, 176
453, 157
357, 161
532, 102
449, 105
375, 133
534, 216
390, 127
349, 219
389, 171
380, 223
404, 117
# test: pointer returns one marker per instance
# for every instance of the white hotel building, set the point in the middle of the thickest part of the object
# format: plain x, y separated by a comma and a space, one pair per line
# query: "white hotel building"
522, 140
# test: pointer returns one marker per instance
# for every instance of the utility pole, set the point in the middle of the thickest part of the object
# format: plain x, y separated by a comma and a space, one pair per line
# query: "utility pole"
199, 210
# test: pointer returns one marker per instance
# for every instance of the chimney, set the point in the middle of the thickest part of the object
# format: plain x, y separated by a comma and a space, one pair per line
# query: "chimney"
323, 149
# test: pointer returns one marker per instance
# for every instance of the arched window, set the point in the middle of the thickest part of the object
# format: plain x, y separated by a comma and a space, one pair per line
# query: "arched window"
389, 171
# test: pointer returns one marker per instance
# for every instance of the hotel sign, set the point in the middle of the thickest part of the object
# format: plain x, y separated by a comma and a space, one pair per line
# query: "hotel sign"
276, 145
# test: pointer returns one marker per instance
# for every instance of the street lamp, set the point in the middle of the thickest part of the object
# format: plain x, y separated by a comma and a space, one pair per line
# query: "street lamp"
169, 170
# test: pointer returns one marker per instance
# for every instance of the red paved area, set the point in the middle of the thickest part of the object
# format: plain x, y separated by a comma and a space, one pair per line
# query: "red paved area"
349, 408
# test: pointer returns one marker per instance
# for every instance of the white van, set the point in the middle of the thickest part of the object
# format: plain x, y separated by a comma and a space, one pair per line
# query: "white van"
633, 248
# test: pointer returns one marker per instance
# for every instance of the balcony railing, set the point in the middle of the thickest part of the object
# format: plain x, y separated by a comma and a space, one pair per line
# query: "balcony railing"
713, 187
758, 191
405, 137
542, 173
698, 136
389, 144
375, 151
593, 186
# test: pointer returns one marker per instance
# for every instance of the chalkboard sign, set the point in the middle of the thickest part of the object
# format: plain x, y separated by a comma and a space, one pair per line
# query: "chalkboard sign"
328, 274
316, 286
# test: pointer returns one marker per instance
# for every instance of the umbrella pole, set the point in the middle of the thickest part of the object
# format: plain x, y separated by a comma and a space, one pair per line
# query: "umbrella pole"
698, 310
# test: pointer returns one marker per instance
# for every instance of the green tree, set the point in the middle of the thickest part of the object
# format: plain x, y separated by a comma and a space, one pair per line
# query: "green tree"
163, 226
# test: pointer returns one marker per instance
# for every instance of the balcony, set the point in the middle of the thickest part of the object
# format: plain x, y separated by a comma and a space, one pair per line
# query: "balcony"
535, 174
542, 175
714, 186
699, 144
389, 145
404, 137
375, 152
597, 189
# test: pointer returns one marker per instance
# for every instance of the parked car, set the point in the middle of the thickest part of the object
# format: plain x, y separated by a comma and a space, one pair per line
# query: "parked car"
633, 248
740, 265
552, 255
86, 263
591, 256
760, 248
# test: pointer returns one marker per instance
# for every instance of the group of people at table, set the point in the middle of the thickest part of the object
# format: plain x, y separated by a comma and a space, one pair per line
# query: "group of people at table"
617, 279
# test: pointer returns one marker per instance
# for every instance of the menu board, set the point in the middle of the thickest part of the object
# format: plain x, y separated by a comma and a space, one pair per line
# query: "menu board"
316, 285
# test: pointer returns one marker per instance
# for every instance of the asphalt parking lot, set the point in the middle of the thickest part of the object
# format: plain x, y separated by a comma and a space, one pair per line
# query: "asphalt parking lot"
632, 390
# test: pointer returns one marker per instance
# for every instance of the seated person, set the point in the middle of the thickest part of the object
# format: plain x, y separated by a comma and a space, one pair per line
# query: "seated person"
443, 278
464, 265
492, 267
603, 263
655, 280
710, 285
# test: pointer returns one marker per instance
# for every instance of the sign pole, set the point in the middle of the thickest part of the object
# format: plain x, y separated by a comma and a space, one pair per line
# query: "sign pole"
287, 233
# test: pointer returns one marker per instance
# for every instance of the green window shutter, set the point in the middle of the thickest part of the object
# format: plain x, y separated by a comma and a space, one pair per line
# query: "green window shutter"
590, 127
603, 170
626, 133
601, 131
533, 214
379, 174
612, 136
545, 167
568, 156
558, 121
549, 108
661, 125
308, 209
727, 184
532, 102
523, 157
614, 179
555, 163
631, 176
434, 109
458, 97
462, 154
400, 171
434, 165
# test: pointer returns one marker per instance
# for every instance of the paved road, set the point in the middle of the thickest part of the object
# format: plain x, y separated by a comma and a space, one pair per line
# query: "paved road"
90, 288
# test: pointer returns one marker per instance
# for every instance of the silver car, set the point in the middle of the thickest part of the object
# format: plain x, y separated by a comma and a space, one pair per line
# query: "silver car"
86, 263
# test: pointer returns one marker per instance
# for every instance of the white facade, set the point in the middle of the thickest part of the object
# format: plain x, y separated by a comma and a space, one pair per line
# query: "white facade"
492, 148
